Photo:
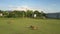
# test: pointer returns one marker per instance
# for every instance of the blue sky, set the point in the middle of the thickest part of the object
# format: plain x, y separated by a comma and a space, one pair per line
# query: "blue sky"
47, 6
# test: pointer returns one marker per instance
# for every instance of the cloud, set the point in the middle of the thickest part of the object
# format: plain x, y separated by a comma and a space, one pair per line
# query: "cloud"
23, 7
18, 7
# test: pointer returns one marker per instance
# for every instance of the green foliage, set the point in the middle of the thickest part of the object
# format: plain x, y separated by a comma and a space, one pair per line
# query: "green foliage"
28, 13
1, 11
38, 14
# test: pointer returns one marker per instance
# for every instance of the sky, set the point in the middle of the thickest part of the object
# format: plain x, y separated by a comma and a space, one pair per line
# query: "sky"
48, 6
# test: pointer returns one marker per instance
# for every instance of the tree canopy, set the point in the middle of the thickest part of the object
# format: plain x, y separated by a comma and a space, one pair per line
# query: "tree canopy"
28, 13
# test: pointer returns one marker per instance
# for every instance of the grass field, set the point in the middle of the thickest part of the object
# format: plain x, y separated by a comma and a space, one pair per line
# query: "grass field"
20, 26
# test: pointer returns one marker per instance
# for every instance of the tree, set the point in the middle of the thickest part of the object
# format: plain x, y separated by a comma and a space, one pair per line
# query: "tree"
29, 13
43, 15
1, 11
23, 14
5, 13
37, 13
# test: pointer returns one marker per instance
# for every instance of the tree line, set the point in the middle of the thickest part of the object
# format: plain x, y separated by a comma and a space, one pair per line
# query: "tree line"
28, 14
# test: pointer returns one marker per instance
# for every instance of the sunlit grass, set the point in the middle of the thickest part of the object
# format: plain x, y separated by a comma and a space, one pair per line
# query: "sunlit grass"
20, 26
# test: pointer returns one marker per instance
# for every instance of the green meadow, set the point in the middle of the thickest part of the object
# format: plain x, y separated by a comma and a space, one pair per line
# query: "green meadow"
21, 26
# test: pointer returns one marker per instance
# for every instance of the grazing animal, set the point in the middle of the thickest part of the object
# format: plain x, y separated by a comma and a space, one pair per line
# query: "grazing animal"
33, 27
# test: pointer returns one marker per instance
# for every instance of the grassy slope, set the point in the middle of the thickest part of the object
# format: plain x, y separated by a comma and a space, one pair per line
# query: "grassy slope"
20, 26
